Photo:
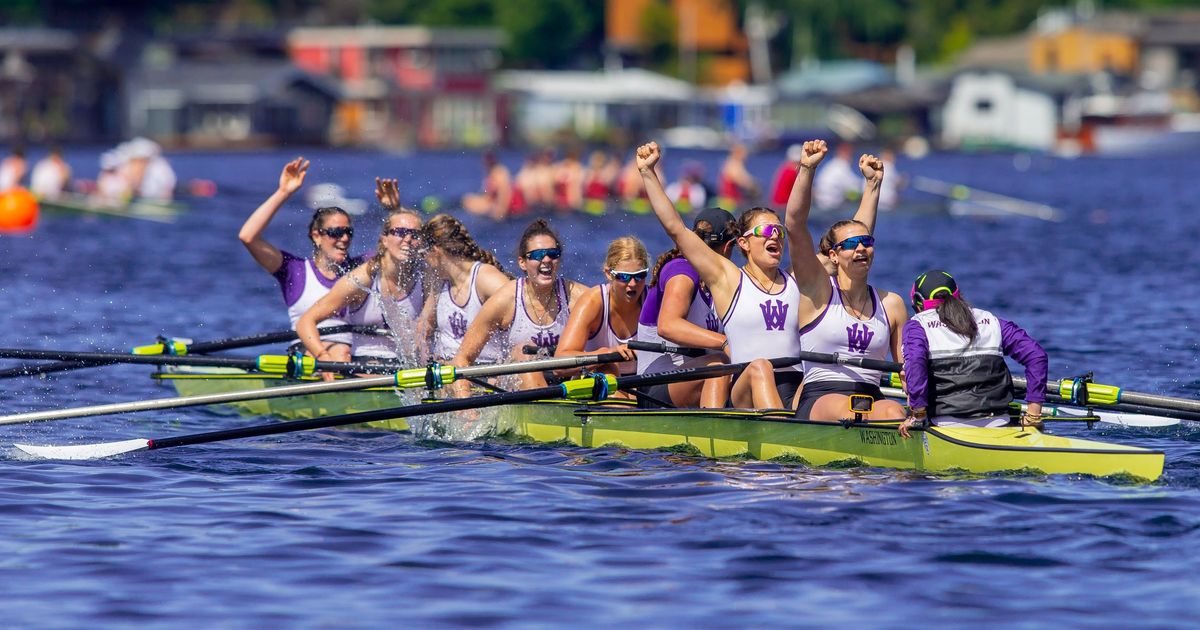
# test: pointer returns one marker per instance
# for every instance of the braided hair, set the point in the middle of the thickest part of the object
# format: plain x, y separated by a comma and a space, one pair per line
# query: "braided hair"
448, 233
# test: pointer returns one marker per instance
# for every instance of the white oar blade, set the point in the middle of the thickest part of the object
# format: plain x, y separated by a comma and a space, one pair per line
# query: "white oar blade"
1121, 418
85, 451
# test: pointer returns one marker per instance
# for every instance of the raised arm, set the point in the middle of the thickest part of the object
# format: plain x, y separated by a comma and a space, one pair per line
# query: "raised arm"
868, 206
809, 272
387, 191
265, 254
714, 269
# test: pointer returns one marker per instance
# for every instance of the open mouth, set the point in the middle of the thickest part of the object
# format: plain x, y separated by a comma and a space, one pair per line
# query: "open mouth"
545, 270
773, 247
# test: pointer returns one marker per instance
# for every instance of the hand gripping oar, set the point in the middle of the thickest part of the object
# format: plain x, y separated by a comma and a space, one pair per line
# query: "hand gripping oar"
1060, 413
596, 387
433, 377
181, 347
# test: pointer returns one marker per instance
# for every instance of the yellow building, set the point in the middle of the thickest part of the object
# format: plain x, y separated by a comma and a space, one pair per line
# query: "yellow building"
1080, 50
706, 28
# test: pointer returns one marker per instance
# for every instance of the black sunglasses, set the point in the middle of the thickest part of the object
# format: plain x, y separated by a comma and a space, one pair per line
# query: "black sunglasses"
403, 232
337, 232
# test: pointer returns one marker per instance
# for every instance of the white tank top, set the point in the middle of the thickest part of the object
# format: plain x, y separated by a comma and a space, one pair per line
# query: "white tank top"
400, 317
835, 330
525, 332
700, 313
312, 292
453, 321
605, 337
763, 325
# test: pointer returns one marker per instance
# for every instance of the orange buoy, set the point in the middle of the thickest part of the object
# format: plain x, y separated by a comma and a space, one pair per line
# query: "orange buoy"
18, 210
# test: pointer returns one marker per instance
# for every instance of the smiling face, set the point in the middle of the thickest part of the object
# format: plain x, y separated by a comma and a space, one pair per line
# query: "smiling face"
762, 239
852, 258
541, 269
401, 238
336, 246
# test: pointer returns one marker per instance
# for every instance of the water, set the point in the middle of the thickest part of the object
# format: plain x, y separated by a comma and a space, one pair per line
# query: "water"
341, 528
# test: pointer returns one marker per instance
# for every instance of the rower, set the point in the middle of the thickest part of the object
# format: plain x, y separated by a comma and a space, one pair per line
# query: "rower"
841, 312
385, 290
51, 175
756, 303
303, 281
532, 309
500, 197
954, 370
606, 317
469, 276
678, 309
735, 184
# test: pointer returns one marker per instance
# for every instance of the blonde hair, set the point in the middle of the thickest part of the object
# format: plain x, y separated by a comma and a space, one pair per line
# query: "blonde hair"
625, 248
380, 251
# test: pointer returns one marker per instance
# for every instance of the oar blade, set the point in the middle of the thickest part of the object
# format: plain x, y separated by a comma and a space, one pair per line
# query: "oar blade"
1121, 418
86, 451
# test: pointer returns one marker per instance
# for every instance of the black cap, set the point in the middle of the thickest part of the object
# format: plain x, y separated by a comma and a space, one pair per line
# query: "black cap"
718, 218
929, 286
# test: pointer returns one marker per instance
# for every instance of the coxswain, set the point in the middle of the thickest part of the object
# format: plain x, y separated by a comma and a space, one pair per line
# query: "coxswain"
954, 369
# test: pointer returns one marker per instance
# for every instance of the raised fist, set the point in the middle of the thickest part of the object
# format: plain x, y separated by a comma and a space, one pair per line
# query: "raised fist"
814, 152
648, 155
871, 167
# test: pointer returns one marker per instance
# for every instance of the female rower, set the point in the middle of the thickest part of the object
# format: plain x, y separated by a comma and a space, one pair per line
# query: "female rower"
606, 317
532, 309
842, 313
756, 303
679, 310
304, 280
385, 290
469, 275
954, 370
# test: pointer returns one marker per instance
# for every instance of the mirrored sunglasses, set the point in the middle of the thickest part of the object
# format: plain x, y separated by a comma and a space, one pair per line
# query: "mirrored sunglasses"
866, 240
537, 254
630, 276
766, 230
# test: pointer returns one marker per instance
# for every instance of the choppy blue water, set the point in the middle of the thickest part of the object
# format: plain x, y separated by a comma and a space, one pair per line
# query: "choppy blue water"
341, 528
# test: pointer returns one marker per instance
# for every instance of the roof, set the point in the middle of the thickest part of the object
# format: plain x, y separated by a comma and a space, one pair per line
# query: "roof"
397, 37
999, 53
625, 85
833, 77
244, 81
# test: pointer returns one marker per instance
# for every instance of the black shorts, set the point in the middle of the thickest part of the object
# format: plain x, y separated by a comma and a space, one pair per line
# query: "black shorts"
786, 383
814, 391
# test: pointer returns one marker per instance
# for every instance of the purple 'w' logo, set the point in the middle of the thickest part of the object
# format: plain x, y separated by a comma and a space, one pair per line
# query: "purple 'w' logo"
458, 325
544, 339
858, 340
774, 315
711, 322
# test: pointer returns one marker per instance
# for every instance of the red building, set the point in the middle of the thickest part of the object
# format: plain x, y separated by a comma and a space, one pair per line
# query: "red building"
406, 85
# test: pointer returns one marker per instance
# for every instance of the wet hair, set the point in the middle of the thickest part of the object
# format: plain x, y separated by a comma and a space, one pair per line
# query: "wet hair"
708, 233
448, 233
956, 314
626, 248
321, 214
380, 252
829, 239
747, 219
538, 227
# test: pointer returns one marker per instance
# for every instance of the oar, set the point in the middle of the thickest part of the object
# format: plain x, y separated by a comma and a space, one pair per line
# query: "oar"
433, 376
183, 347
290, 364
1075, 414
996, 201
650, 346
594, 387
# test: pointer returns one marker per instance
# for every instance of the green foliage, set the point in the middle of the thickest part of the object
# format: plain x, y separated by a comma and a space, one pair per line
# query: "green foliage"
659, 29
545, 33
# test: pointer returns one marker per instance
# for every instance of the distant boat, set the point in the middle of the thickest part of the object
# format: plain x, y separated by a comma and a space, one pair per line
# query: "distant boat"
144, 209
1131, 126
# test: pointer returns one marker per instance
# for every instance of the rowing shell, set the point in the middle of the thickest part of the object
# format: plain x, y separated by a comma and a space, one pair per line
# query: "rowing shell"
723, 433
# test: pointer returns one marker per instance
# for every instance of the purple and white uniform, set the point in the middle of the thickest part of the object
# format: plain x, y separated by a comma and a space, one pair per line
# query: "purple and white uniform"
960, 382
303, 286
454, 319
399, 315
605, 337
700, 313
524, 331
761, 325
835, 330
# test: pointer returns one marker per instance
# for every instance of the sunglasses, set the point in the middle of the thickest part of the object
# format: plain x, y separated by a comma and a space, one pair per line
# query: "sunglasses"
537, 254
337, 232
630, 276
403, 232
765, 230
866, 240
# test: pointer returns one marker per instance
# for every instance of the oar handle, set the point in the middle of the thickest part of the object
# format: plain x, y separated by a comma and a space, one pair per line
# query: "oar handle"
651, 346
